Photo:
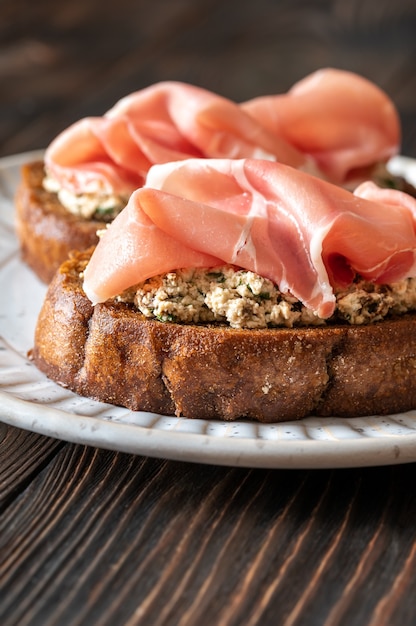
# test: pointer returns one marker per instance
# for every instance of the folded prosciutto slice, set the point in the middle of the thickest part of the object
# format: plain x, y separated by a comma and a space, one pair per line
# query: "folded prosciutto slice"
306, 235
168, 121
342, 120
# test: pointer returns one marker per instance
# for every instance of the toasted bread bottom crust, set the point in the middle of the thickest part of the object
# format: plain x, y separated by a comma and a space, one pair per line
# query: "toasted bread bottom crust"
112, 353
46, 231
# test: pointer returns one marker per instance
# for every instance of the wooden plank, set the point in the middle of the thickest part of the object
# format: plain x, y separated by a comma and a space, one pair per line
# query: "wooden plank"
178, 543
22, 456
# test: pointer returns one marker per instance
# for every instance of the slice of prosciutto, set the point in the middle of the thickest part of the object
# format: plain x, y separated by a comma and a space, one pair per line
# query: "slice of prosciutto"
306, 235
342, 120
168, 121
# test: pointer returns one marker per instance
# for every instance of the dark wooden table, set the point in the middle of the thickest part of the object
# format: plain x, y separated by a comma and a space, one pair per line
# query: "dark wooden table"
90, 536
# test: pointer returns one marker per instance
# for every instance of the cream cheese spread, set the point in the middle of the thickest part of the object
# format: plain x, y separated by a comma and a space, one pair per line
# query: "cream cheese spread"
243, 299
103, 207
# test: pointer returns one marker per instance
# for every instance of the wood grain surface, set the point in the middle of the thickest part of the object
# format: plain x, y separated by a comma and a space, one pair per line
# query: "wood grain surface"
91, 537
96, 537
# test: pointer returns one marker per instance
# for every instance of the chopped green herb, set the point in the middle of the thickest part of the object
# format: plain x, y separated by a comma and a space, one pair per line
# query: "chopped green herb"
166, 318
390, 183
104, 210
218, 276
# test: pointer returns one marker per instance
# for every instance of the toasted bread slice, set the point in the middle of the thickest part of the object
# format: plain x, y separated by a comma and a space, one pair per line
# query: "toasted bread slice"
111, 352
46, 231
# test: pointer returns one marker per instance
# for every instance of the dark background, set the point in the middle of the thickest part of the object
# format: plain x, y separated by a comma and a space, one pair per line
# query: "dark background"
60, 61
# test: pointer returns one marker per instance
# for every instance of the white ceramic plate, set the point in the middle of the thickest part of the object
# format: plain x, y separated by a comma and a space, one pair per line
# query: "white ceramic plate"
29, 400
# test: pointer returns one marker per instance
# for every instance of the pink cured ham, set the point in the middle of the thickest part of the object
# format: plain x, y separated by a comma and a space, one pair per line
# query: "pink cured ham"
137, 250
168, 121
342, 120
306, 235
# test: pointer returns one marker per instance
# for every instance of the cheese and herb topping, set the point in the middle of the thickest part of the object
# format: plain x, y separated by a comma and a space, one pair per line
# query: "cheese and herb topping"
243, 299
100, 206
383, 177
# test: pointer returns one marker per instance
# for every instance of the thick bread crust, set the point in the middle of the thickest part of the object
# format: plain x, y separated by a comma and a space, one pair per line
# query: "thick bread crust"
47, 232
112, 353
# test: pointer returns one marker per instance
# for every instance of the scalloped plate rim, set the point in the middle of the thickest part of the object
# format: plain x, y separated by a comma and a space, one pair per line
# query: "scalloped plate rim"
302, 452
